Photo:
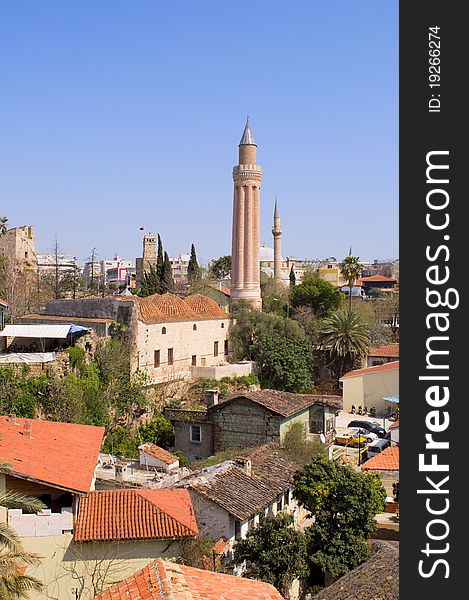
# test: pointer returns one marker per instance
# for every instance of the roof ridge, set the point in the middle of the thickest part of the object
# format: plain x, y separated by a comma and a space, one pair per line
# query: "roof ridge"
163, 580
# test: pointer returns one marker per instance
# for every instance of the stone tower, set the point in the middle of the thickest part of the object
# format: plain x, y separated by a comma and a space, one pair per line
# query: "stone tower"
277, 233
149, 256
247, 175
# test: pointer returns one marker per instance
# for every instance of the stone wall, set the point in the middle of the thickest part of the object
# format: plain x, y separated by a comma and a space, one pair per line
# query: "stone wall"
212, 520
182, 421
243, 424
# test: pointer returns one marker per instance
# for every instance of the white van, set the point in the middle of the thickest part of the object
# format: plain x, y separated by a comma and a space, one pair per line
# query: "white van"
376, 447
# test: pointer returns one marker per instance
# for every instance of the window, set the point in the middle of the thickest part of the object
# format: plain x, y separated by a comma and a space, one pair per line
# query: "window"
223, 326
194, 360
194, 327
170, 356
26, 255
157, 358
279, 503
196, 434
163, 331
237, 530
215, 348
226, 347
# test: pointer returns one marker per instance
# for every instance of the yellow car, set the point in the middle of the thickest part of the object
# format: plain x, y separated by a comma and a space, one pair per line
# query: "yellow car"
350, 438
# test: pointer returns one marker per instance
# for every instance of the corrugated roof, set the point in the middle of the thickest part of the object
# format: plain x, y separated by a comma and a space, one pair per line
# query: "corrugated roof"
135, 514
161, 580
390, 366
57, 454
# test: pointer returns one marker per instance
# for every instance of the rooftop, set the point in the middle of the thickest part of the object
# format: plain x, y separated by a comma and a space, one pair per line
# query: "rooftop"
135, 514
387, 460
390, 366
221, 288
39, 317
204, 306
284, 404
62, 455
385, 351
378, 278
242, 495
159, 453
168, 307
376, 579
161, 580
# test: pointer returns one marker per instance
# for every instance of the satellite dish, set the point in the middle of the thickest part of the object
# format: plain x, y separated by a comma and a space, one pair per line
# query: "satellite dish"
322, 437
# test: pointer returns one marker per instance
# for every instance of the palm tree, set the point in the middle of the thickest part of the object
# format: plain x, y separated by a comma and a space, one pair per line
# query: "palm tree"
14, 583
350, 270
345, 336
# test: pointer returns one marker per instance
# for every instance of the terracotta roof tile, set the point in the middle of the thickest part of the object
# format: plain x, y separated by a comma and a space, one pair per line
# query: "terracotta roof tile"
378, 278
376, 579
385, 351
222, 289
58, 454
204, 306
135, 514
166, 307
283, 403
390, 366
394, 425
159, 453
161, 580
387, 460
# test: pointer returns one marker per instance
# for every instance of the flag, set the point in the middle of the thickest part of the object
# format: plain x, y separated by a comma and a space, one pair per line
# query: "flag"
142, 228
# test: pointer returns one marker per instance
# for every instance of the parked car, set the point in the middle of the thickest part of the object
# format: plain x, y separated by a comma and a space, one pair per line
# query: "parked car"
351, 438
376, 447
370, 426
368, 435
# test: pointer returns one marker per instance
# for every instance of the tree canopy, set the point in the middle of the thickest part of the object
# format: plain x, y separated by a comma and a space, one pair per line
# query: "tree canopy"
193, 268
317, 294
221, 267
344, 503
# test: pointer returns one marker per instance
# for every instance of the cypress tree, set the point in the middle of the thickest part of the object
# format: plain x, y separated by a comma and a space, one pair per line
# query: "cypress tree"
292, 277
193, 269
167, 282
160, 260
150, 282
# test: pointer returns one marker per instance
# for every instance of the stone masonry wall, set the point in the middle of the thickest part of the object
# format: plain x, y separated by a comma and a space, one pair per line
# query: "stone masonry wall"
243, 424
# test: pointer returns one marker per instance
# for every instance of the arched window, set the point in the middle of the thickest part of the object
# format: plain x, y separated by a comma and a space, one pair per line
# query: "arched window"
163, 331
194, 327
223, 326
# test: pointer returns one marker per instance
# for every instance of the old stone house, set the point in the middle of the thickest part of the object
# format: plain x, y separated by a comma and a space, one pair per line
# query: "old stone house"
247, 419
229, 498
171, 338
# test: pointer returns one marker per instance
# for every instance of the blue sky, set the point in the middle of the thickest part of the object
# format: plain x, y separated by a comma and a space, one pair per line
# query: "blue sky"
117, 115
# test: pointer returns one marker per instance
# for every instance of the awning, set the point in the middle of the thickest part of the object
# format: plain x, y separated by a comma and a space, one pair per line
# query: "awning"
27, 357
77, 329
391, 399
58, 332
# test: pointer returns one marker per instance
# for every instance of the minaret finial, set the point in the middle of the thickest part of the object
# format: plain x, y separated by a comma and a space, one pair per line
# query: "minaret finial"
247, 138
276, 209
350, 251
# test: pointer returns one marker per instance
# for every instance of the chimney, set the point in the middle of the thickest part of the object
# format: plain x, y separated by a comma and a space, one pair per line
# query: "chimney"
12, 418
211, 397
121, 471
244, 463
27, 427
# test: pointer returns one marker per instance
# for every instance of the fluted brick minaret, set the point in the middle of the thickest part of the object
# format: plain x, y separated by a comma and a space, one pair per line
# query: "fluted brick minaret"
277, 233
247, 175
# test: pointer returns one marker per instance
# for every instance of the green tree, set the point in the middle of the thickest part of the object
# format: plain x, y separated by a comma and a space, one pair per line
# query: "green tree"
344, 334
160, 260
193, 269
317, 294
167, 281
158, 431
13, 558
3, 225
283, 363
221, 268
350, 270
344, 503
150, 282
292, 277
274, 551
299, 448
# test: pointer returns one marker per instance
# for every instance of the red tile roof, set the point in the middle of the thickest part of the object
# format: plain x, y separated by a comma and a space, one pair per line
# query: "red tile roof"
159, 453
378, 278
385, 351
135, 514
3, 302
387, 460
390, 366
394, 425
204, 306
161, 580
63, 455
222, 289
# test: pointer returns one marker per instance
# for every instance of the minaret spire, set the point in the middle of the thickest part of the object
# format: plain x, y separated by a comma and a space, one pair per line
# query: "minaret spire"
277, 233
